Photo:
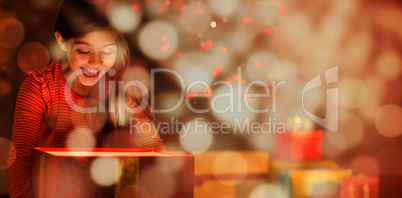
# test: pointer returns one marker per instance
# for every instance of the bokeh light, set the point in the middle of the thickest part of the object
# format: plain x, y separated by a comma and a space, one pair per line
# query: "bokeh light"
229, 108
349, 135
224, 8
263, 66
123, 17
388, 65
8, 153
81, 138
196, 17
193, 66
196, 136
229, 162
33, 56
158, 39
353, 93
267, 190
356, 52
11, 32
105, 171
366, 165
266, 12
388, 120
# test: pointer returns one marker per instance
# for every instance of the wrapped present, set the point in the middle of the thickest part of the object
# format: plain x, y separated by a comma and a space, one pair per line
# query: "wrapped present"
299, 145
317, 182
218, 172
360, 187
277, 165
112, 172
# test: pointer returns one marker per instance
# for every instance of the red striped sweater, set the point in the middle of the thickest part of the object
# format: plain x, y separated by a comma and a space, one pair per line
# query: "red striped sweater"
44, 119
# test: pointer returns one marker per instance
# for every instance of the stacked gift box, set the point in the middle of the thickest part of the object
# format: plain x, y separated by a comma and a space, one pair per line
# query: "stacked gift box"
299, 170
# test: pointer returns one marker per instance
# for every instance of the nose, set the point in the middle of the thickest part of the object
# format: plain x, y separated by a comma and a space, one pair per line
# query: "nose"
95, 60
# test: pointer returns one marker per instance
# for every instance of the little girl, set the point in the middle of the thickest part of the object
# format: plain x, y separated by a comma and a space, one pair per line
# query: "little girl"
46, 112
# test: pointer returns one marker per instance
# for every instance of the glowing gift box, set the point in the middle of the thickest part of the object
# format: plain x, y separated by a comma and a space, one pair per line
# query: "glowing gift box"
360, 187
112, 172
218, 173
299, 145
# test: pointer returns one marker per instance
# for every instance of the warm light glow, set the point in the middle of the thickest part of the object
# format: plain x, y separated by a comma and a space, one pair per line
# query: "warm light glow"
353, 93
388, 120
229, 162
266, 190
81, 138
196, 17
246, 20
105, 171
11, 33
123, 17
389, 65
213, 24
33, 56
153, 39
135, 7
196, 137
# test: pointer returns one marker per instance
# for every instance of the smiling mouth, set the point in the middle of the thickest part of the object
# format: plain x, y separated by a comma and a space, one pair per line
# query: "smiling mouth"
90, 73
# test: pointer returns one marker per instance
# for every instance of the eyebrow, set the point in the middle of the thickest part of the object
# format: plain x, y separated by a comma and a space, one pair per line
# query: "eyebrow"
85, 43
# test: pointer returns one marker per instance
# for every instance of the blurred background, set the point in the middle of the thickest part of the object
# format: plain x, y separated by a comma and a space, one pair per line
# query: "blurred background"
238, 42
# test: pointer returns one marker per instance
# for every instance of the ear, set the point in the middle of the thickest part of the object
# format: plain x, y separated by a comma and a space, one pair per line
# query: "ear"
60, 40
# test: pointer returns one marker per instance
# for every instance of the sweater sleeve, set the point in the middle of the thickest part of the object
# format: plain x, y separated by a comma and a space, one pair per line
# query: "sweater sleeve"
143, 129
28, 116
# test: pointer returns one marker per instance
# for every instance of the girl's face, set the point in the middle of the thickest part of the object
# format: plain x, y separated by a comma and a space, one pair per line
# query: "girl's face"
92, 56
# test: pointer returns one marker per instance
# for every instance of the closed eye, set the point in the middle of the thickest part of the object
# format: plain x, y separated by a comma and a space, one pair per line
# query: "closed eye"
83, 52
108, 52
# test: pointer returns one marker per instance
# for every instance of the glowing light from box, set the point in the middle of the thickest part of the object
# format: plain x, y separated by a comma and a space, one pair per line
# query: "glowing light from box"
229, 162
8, 153
224, 8
11, 33
268, 64
151, 43
365, 164
389, 65
124, 18
33, 56
266, 190
353, 93
196, 17
388, 120
81, 138
196, 137
105, 171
